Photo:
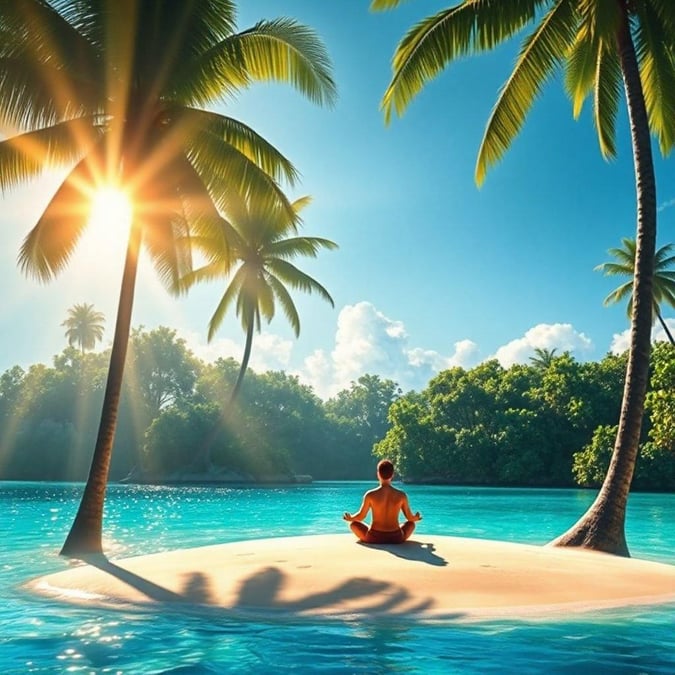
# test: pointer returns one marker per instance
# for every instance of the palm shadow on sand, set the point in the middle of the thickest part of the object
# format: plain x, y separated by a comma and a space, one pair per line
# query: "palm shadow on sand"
411, 550
194, 591
264, 589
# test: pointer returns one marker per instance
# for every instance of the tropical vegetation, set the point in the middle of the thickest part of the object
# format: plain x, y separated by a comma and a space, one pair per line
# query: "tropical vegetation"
118, 93
84, 326
255, 257
599, 46
663, 286
489, 425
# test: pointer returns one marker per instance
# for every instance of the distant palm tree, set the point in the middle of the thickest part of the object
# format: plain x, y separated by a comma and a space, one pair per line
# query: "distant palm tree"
118, 91
542, 357
663, 288
84, 326
255, 255
600, 45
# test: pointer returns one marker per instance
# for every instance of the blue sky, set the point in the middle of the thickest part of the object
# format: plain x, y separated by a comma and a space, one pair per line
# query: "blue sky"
431, 270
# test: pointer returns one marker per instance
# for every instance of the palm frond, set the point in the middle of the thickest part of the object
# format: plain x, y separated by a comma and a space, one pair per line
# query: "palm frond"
541, 52
663, 258
232, 292
301, 202
27, 155
228, 174
382, 5
621, 293
291, 275
295, 246
616, 269
656, 56
434, 42
286, 51
47, 248
200, 211
608, 85
262, 296
214, 270
238, 135
286, 302
580, 69
163, 229
48, 70
665, 11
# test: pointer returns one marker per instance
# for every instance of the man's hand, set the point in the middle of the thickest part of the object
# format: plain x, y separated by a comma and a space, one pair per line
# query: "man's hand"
347, 516
417, 516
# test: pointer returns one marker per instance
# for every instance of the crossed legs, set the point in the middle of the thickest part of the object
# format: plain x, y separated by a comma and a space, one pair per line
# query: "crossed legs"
370, 536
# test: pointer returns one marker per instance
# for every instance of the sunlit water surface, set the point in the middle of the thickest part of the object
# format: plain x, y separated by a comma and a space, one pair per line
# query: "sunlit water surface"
44, 636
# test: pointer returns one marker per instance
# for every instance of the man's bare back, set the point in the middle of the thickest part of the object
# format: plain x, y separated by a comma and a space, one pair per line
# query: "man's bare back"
384, 502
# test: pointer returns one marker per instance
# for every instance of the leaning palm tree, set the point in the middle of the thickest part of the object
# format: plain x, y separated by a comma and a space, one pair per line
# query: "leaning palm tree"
257, 263
117, 91
84, 326
663, 287
598, 43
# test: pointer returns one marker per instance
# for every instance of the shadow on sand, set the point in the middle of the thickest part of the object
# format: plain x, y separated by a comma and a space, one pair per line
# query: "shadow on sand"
411, 550
262, 591
195, 590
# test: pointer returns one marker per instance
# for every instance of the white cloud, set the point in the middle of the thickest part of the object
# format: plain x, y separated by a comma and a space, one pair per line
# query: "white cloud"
270, 352
621, 341
367, 341
559, 336
666, 205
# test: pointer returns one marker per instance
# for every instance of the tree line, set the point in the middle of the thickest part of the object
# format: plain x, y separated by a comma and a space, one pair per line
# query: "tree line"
550, 423
547, 423
171, 402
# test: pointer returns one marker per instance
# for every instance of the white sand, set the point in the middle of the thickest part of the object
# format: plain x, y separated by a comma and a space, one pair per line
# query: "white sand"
332, 575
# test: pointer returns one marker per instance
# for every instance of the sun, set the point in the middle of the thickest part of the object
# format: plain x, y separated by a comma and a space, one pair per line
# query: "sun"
109, 223
110, 210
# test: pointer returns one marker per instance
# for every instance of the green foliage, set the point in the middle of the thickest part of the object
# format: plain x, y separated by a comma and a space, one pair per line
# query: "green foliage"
496, 426
660, 401
590, 465
161, 369
360, 415
522, 426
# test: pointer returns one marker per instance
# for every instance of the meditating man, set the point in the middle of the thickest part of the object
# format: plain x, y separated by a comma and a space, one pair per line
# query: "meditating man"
385, 502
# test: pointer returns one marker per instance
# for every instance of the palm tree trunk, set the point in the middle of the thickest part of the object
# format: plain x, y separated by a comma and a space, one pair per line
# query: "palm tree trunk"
204, 458
665, 328
244, 362
85, 536
602, 527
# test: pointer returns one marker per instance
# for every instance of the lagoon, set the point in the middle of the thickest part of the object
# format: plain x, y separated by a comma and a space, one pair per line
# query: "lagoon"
43, 636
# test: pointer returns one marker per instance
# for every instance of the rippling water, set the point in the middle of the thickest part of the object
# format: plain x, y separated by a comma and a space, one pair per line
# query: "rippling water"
43, 636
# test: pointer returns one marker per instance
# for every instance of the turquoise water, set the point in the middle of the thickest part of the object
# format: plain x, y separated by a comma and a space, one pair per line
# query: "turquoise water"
40, 636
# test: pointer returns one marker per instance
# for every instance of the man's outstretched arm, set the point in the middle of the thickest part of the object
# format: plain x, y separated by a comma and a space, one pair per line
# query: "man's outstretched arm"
362, 512
409, 515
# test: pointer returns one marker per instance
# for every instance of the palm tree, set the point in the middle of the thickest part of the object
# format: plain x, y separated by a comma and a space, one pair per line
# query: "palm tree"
256, 260
84, 326
117, 91
598, 44
663, 287
543, 357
